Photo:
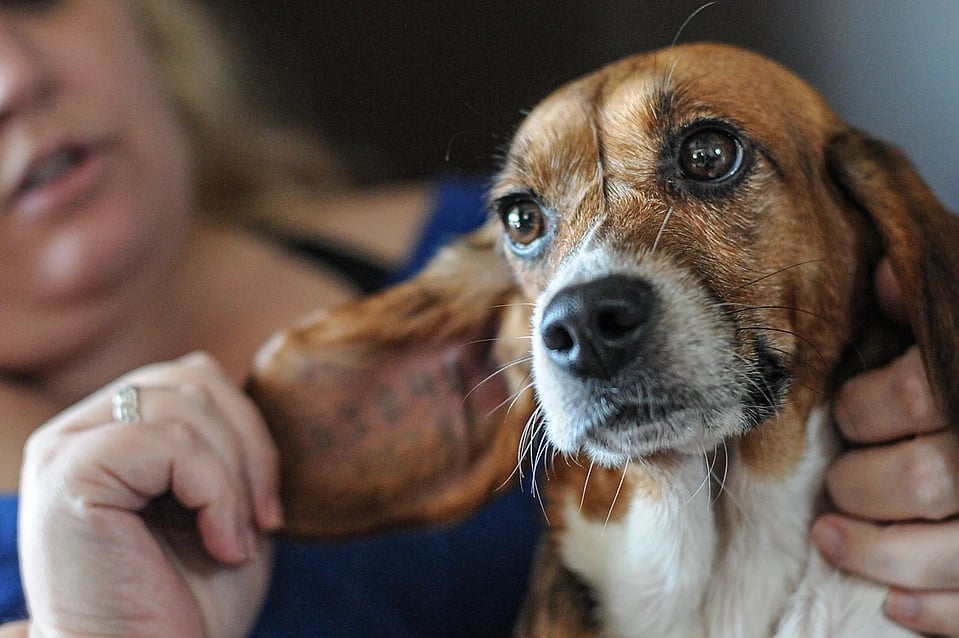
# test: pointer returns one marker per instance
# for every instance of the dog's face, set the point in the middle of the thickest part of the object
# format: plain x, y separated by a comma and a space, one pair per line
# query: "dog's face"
671, 218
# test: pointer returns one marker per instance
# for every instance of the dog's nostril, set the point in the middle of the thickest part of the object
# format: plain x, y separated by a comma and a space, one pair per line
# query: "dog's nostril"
558, 338
619, 321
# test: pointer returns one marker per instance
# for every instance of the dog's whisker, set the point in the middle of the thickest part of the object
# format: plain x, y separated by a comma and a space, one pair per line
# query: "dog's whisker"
619, 488
589, 473
668, 78
514, 304
503, 368
748, 307
541, 454
778, 272
510, 401
722, 483
659, 235
527, 386
527, 437
592, 230
534, 484
704, 484
710, 467
530, 430
688, 20
792, 333
827, 324
497, 339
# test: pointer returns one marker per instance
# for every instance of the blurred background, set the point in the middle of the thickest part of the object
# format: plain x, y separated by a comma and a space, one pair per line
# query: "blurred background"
407, 89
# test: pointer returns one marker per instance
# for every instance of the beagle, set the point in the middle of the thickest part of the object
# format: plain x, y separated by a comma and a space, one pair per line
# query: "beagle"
675, 278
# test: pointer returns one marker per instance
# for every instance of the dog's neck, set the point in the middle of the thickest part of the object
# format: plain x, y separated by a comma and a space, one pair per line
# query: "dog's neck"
714, 551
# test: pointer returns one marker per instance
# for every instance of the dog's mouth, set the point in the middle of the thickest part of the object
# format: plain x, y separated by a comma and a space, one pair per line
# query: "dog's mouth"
640, 429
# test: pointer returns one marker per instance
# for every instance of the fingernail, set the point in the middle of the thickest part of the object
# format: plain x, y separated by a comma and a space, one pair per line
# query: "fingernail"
830, 540
903, 605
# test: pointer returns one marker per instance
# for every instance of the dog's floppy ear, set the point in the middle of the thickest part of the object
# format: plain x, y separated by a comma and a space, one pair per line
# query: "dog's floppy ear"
393, 410
921, 238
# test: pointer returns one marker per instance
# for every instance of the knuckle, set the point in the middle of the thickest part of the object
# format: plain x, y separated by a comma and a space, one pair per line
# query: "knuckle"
914, 397
928, 481
41, 449
182, 433
202, 361
196, 394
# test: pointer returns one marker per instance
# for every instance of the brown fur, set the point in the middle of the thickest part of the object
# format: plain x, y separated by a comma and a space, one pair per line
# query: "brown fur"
792, 250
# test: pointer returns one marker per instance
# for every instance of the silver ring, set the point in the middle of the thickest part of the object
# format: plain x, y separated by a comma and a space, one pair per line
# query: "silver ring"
126, 404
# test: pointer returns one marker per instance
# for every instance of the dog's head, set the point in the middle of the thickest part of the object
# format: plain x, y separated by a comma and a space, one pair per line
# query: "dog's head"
672, 217
690, 235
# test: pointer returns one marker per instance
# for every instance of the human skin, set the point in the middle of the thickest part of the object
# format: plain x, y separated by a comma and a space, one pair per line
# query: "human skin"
897, 489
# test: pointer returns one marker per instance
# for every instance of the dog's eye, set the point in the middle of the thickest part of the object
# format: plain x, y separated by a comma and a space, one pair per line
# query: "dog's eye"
710, 154
524, 221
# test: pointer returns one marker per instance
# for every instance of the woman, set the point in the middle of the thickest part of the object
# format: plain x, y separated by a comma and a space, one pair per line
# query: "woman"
121, 185
129, 182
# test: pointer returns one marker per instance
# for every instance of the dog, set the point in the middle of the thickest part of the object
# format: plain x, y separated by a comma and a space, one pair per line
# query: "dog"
675, 278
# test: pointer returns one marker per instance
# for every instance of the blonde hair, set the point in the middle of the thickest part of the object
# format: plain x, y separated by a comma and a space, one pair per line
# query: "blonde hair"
241, 158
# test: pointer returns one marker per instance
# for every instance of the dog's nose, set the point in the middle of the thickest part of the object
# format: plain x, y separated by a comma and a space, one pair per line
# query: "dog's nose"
594, 329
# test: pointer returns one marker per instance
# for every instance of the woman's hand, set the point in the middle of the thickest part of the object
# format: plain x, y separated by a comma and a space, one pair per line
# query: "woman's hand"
899, 495
155, 527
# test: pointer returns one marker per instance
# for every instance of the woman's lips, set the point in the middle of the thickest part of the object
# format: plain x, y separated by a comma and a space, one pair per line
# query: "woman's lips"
58, 180
52, 167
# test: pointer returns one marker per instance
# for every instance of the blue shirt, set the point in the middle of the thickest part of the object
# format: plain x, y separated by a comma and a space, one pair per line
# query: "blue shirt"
12, 606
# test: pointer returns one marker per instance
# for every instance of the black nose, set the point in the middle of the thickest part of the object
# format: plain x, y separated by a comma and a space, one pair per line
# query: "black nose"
596, 328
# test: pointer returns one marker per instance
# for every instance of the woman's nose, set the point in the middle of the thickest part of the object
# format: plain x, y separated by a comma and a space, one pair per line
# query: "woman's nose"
22, 77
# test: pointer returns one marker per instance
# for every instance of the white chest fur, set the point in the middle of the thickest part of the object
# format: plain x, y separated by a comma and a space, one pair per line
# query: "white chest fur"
735, 564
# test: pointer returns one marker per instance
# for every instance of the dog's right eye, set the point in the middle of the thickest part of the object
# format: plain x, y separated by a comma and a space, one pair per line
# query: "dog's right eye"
710, 154
524, 221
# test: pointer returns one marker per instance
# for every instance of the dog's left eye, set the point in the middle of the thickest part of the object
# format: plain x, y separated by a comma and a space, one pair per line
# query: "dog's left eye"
524, 221
710, 154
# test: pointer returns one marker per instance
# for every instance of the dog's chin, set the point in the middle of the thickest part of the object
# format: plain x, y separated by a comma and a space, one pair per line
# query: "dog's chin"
629, 434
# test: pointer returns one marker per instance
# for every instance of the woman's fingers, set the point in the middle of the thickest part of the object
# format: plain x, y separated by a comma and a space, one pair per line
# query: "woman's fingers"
888, 403
245, 437
917, 560
908, 555
236, 428
124, 466
907, 479
197, 436
913, 479
935, 612
19, 629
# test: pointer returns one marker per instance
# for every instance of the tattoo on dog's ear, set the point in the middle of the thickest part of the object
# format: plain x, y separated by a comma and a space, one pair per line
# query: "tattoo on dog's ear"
397, 410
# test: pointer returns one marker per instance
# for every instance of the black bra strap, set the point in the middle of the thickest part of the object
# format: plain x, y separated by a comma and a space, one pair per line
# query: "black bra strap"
361, 271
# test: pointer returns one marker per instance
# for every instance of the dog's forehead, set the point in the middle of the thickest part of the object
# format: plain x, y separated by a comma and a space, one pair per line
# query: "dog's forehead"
614, 121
